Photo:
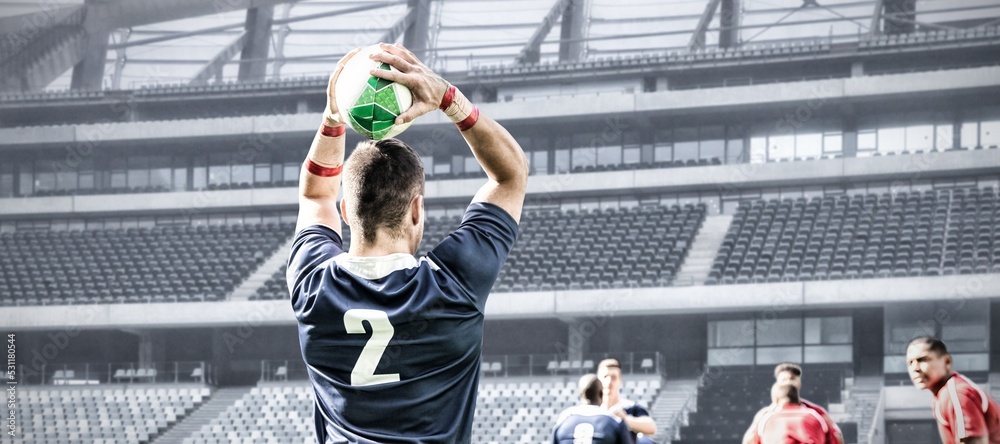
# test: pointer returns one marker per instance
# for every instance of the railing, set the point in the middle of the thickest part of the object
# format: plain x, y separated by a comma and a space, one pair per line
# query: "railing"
876, 433
117, 373
509, 365
682, 415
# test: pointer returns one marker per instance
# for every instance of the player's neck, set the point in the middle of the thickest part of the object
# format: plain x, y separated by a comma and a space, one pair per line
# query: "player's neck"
613, 399
940, 385
384, 245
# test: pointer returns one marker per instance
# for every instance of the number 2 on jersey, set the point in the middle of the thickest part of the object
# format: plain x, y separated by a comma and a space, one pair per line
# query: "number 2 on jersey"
382, 331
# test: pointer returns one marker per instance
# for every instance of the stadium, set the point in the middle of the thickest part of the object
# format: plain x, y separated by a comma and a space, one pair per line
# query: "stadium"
716, 187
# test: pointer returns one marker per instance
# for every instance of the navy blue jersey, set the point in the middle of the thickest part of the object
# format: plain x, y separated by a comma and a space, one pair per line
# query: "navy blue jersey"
635, 410
590, 424
393, 344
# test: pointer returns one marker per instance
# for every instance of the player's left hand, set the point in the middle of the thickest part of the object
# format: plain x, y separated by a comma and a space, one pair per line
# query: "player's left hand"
619, 412
427, 87
331, 115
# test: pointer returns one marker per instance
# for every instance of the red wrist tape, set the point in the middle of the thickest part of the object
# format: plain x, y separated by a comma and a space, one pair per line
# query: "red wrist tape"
333, 131
470, 121
449, 96
322, 171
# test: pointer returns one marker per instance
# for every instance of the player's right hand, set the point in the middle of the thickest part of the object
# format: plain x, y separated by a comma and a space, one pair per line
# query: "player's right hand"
331, 115
427, 87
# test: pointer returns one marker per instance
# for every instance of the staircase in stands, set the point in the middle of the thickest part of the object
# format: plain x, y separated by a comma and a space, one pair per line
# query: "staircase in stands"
218, 402
669, 405
863, 402
703, 250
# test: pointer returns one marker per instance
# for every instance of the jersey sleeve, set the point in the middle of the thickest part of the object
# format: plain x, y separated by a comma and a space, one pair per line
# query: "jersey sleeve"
473, 254
815, 429
637, 411
624, 434
311, 247
966, 415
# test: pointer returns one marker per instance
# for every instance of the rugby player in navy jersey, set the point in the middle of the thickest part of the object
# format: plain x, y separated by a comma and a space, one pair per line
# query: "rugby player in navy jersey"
635, 416
392, 343
589, 423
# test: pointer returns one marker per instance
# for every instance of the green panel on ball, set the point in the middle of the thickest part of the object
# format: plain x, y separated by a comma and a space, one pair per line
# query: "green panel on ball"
359, 127
387, 99
383, 114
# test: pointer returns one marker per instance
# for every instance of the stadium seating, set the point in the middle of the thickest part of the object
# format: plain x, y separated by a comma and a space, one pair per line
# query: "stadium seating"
731, 397
929, 38
930, 233
507, 411
555, 248
106, 415
161, 264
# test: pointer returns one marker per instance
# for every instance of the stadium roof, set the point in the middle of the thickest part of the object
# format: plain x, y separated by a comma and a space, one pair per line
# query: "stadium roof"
308, 36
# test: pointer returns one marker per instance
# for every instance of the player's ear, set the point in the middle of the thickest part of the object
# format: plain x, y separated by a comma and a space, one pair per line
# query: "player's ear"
947, 362
343, 211
417, 209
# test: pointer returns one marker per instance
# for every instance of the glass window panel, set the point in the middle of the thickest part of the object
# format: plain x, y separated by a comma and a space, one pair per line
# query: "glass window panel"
242, 174
663, 153
919, 137
779, 331
277, 173
45, 180
734, 150
584, 157
6, 181
833, 143
66, 179
609, 155
828, 353
442, 168
713, 149
730, 333
179, 182
777, 355
808, 145
290, 172
781, 147
631, 154
970, 134
758, 149
969, 362
989, 133
686, 144
891, 140
470, 164
562, 161
944, 137
867, 140
721, 357
262, 173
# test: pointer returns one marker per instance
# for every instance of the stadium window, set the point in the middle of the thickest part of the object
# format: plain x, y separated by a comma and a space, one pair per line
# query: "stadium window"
262, 173
970, 135
867, 142
428, 164
776, 355
66, 178
833, 144
758, 149
944, 137
781, 147
242, 174
730, 333
87, 175
6, 180
632, 154
539, 163
663, 148
26, 179
828, 330
629, 202
441, 168
713, 142
686, 144
218, 169
891, 140
138, 171
920, 138
609, 155
711, 201
584, 157
290, 172
276, 173
45, 178
159, 172
808, 145
562, 161
989, 133
590, 204
779, 332
199, 173
95, 224
816, 354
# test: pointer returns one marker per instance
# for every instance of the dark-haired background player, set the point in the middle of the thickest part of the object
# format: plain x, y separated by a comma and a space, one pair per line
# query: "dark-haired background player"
964, 412
635, 416
393, 344
588, 422
789, 373
789, 421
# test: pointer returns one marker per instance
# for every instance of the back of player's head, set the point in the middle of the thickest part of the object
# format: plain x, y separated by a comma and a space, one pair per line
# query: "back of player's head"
609, 363
591, 390
784, 392
933, 344
381, 177
787, 367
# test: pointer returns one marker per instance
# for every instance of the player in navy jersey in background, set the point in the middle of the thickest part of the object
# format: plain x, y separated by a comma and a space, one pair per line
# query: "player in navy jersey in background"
392, 343
635, 416
964, 412
589, 423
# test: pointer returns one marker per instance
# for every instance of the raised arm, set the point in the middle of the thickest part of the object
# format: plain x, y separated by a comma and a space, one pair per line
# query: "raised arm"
498, 153
319, 180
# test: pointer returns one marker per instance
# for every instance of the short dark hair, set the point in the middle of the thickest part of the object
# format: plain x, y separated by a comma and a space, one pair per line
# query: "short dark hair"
787, 367
609, 363
934, 344
785, 391
380, 179
591, 389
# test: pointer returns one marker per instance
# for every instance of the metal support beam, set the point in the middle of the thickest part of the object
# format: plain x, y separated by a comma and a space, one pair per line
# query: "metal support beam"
417, 29
899, 16
35, 71
214, 67
256, 44
399, 28
279, 44
876, 26
573, 47
531, 52
87, 74
698, 37
729, 23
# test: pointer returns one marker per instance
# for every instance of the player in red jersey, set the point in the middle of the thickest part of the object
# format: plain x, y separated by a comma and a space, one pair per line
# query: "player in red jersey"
789, 373
964, 412
789, 422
